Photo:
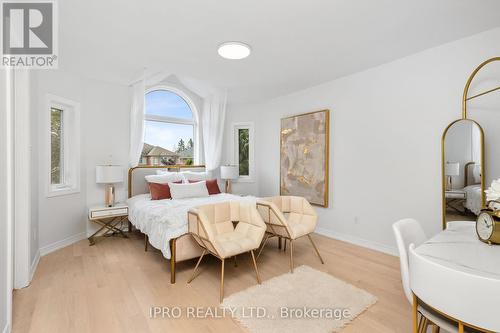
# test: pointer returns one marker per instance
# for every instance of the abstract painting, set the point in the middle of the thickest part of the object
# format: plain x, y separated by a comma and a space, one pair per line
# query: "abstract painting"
304, 154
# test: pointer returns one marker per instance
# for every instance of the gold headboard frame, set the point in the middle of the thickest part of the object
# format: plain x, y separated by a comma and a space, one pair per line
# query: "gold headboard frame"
466, 172
175, 167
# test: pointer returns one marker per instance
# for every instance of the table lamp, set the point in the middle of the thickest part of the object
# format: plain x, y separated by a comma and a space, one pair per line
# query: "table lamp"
109, 175
228, 173
450, 170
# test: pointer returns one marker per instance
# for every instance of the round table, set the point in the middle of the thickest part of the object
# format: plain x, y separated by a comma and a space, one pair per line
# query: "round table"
457, 275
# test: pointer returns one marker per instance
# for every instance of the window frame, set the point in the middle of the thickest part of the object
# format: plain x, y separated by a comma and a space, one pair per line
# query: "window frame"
173, 120
70, 150
236, 126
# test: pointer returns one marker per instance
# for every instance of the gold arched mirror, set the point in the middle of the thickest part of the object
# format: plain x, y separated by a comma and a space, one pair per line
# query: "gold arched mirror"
462, 171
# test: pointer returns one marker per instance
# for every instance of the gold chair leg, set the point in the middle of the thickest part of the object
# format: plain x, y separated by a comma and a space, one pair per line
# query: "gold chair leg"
196, 267
420, 323
222, 281
435, 329
263, 245
145, 243
426, 325
291, 256
255, 267
460, 327
415, 314
279, 242
284, 244
316, 249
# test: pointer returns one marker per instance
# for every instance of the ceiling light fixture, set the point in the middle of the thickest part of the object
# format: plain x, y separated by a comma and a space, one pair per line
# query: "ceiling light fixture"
234, 50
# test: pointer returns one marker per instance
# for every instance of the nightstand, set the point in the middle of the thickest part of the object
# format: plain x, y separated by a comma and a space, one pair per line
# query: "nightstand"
108, 218
454, 197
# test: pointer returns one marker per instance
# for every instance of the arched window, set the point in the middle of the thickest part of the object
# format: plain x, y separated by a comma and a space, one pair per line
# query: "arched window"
171, 127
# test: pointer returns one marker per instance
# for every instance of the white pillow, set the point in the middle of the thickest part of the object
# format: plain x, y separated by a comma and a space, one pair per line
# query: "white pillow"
196, 176
192, 190
165, 178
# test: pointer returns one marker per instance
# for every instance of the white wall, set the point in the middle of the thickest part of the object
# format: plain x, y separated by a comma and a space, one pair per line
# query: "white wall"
386, 127
104, 110
458, 148
6, 202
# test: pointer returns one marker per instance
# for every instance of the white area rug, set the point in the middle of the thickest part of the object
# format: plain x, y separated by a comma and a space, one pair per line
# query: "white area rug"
307, 301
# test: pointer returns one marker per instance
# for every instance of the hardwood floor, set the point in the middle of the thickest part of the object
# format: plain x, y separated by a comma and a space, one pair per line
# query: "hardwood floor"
110, 287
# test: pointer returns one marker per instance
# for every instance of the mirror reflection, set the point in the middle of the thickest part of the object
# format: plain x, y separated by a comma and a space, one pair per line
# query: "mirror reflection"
463, 169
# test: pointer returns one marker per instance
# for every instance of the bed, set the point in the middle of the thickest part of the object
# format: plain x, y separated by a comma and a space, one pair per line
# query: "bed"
164, 222
473, 189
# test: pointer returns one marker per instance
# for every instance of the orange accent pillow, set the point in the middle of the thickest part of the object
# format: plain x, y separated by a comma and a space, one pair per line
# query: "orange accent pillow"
160, 191
212, 186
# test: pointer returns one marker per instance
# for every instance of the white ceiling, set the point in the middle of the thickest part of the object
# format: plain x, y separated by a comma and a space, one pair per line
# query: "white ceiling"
296, 43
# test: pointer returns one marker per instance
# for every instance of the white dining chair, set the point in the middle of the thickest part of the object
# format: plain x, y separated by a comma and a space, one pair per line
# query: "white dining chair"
407, 232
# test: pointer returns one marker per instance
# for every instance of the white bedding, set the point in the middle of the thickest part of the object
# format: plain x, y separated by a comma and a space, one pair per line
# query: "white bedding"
473, 200
163, 220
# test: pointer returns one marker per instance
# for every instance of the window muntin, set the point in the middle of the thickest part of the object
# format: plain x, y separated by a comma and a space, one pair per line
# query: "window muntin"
56, 146
170, 130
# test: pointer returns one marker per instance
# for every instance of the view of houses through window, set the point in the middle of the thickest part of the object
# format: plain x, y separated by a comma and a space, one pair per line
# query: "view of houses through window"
169, 130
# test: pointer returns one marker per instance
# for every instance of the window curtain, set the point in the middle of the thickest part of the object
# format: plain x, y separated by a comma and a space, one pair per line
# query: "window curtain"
213, 118
137, 122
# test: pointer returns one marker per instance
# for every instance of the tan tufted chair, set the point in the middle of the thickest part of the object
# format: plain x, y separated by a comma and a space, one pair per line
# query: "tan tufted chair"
300, 220
212, 227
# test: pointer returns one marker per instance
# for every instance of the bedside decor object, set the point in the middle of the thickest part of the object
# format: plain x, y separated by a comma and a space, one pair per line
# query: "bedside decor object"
109, 175
488, 226
108, 218
304, 156
228, 173
452, 169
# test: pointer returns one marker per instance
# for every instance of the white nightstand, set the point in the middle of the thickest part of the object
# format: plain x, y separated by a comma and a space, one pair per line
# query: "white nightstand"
454, 197
108, 218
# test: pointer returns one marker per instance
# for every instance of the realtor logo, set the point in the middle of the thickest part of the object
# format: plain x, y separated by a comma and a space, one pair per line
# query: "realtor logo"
29, 34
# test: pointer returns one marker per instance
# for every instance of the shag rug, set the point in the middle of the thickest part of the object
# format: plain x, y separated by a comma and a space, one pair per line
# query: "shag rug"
306, 301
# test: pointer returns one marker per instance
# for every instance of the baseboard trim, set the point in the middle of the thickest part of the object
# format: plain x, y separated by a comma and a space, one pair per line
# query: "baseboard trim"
6, 329
34, 265
62, 243
358, 241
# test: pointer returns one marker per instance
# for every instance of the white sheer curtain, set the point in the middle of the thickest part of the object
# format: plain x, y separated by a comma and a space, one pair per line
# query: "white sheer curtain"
213, 118
137, 122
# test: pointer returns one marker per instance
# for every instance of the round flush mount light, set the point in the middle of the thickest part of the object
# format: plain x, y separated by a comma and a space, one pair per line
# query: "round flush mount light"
234, 50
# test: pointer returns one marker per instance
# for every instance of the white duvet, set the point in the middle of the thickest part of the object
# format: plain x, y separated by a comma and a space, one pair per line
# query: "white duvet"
473, 200
163, 220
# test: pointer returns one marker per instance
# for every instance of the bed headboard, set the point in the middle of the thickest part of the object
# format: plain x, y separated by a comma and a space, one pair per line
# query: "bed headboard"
137, 183
469, 177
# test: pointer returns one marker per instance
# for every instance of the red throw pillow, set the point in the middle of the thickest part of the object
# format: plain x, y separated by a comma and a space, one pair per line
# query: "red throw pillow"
160, 191
212, 186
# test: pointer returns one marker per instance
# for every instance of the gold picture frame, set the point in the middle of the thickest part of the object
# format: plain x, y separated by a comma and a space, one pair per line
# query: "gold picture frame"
304, 156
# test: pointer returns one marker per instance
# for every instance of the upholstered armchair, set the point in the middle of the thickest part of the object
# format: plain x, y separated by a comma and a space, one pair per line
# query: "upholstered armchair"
290, 218
212, 227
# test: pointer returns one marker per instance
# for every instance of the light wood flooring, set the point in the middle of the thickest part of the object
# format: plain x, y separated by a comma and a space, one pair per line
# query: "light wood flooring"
111, 286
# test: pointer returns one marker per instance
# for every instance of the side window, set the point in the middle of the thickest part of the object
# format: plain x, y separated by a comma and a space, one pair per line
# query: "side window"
63, 157
244, 150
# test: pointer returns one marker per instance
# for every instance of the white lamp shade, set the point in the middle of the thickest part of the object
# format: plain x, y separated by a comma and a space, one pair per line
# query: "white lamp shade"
108, 174
229, 172
452, 169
